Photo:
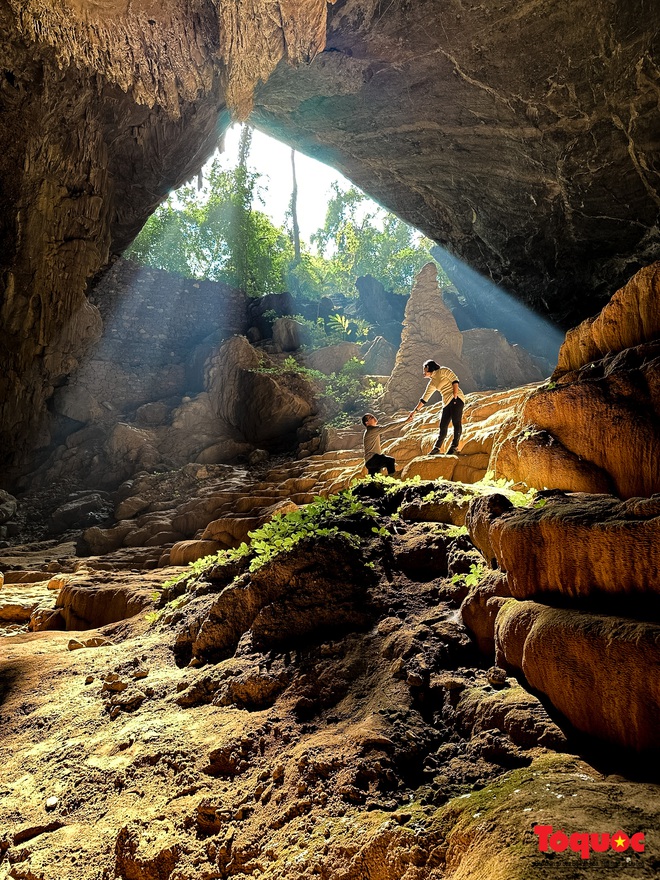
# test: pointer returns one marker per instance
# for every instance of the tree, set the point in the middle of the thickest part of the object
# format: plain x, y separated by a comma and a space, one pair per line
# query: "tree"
294, 211
216, 234
361, 240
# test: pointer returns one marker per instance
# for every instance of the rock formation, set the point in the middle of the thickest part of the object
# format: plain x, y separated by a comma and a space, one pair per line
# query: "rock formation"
326, 703
321, 699
502, 156
430, 332
613, 390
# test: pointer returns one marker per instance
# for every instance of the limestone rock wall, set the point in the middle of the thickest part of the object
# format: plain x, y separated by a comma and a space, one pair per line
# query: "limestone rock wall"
535, 166
594, 428
541, 175
97, 129
582, 571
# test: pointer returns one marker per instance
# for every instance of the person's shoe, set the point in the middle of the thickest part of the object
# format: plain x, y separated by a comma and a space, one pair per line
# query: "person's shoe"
452, 451
435, 451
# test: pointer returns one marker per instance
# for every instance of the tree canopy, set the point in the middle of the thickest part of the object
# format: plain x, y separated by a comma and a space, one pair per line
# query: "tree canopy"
216, 233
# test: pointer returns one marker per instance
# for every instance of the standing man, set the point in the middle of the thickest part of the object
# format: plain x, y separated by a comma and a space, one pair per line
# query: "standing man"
445, 381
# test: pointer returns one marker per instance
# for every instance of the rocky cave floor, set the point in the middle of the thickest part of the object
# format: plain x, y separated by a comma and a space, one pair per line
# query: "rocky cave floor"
325, 716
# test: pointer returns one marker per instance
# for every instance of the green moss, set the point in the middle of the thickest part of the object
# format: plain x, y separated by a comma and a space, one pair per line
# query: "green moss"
343, 515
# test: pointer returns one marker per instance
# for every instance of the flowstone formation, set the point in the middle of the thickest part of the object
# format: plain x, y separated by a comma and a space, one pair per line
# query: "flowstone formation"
312, 706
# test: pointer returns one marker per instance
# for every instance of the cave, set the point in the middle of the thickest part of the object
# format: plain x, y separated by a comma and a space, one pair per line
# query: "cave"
540, 172
451, 673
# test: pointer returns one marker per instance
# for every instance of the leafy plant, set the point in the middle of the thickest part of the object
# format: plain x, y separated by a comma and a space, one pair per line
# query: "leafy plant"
216, 233
341, 515
342, 395
517, 497
473, 577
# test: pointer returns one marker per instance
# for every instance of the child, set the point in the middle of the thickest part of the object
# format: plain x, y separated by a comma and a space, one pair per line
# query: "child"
374, 460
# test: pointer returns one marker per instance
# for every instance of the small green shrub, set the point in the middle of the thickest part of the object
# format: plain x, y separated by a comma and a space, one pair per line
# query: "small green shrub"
473, 577
342, 514
516, 496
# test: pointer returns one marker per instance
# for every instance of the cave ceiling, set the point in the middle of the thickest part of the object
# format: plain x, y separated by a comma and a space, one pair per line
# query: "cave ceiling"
522, 137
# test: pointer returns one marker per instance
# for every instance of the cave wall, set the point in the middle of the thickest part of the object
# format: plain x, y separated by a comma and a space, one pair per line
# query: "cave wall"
85, 158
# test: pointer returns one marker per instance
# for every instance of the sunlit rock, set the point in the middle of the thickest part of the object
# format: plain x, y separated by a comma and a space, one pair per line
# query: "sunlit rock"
630, 318
183, 552
615, 392
290, 334
429, 332
331, 358
479, 517
379, 357
263, 407
580, 546
600, 672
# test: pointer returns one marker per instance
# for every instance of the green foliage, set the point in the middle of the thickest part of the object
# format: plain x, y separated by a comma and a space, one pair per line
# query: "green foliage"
456, 531
316, 332
342, 395
516, 496
217, 234
339, 515
358, 239
352, 329
474, 576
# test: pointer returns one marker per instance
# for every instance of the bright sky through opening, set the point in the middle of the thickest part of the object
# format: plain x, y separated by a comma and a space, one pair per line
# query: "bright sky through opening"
272, 159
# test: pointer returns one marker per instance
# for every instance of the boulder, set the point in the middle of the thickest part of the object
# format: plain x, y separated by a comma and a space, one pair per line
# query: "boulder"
430, 467
480, 608
89, 509
224, 451
578, 547
331, 358
537, 458
599, 382
151, 415
88, 602
479, 517
8, 506
234, 529
290, 334
319, 584
263, 407
631, 317
495, 363
379, 357
184, 552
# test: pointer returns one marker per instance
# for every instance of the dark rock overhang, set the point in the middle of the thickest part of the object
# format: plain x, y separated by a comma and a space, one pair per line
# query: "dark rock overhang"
525, 139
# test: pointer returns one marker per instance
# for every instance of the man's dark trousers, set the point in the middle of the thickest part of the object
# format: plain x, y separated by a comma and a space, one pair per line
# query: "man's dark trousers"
451, 412
378, 462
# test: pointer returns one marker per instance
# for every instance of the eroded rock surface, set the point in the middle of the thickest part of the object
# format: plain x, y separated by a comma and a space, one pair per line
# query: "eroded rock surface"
540, 175
593, 428
296, 742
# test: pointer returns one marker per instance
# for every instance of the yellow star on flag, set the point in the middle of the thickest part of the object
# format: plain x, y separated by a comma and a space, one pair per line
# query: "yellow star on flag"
619, 841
